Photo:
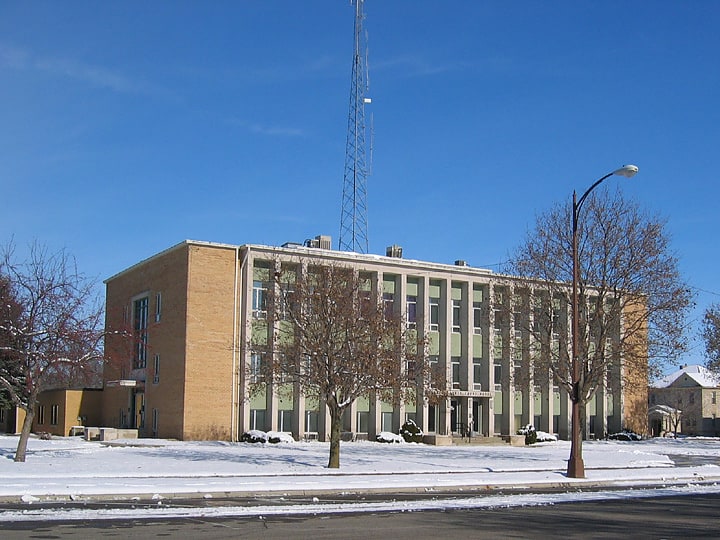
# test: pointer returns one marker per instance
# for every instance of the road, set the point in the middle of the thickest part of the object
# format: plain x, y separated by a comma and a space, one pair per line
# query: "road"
661, 517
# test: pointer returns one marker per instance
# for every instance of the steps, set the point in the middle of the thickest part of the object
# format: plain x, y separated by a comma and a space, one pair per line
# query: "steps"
477, 440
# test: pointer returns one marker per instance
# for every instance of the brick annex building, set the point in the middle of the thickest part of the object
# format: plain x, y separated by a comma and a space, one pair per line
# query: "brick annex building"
195, 305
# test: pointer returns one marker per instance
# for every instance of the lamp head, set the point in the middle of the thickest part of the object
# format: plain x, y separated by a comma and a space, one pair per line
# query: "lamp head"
628, 171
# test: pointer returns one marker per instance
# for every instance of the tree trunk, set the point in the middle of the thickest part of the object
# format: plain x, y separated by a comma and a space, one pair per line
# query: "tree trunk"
25, 434
335, 429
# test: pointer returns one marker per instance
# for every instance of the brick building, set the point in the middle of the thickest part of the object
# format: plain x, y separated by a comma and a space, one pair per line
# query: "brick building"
193, 307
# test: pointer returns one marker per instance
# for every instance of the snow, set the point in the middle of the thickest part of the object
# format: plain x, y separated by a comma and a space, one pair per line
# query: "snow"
71, 469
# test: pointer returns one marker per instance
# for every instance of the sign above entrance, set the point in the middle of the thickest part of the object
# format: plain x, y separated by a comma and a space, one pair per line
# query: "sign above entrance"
470, 393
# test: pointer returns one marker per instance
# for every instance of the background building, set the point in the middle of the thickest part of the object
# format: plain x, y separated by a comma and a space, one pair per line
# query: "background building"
692, 392
195, 307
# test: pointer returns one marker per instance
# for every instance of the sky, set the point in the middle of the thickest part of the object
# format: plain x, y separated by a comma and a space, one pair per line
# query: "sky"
127, 127
163, 471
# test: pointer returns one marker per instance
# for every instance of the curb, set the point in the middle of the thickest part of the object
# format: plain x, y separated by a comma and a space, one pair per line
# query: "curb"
477, 489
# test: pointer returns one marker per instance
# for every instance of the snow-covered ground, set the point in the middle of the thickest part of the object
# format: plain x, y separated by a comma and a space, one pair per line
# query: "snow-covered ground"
159, 470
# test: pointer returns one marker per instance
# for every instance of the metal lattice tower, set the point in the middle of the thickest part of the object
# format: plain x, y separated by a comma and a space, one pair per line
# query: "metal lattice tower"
353, 219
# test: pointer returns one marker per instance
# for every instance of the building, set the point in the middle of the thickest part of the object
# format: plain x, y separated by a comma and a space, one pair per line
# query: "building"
193, 306
58, 412
692, 392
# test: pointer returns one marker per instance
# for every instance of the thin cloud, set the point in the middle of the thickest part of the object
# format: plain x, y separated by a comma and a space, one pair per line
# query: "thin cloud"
265, 129
277, 131
97, 76
415, 66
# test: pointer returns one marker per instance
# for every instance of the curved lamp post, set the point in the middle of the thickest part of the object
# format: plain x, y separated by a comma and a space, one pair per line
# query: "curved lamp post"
576, 466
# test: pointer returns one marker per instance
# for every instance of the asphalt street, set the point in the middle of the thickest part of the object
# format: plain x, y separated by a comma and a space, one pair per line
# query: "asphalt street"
659, 517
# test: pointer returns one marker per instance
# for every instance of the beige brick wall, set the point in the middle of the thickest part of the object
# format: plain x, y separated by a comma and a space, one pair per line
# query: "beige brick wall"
635, 383
209, 376
192, 391
166, 274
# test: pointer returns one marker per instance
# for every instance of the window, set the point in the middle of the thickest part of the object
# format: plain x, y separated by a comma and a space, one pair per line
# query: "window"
155, 417
259, 300
498, 346
518, 345
140, 314
288, 301
714, 398
388, 304
410, 369
434, 314
285, 421
455, 361
432, 418
497, 371
411, 311
692, 398
456, 316
365, 303
556, 309
156, 369
257, 419
477, 317
255, 367
433, 361
54, 414
386, 421
41, 415
363, 421
311, 421
158, 307
498, 309
477, 373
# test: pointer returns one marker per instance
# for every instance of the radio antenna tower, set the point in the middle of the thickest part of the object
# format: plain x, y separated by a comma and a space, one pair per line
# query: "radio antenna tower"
353, 218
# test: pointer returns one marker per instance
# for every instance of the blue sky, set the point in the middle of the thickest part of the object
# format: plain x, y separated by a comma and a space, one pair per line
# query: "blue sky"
126, 127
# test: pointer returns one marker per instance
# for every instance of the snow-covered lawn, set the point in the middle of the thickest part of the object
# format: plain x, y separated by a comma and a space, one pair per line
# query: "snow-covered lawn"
71, 468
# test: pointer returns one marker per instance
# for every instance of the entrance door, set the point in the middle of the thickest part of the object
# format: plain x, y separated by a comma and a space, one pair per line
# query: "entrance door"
477, 416
138, 410
455, 416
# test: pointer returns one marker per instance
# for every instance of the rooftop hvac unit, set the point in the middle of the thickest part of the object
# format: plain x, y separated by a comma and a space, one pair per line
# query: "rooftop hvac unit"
460, 262
321, 241
394, 251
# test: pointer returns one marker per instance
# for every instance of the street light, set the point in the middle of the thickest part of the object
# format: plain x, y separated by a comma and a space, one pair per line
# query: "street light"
576, 466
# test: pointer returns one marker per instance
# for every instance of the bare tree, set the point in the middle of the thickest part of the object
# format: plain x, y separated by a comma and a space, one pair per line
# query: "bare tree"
10, 310
50, 329
674, 419
632, 300
711, 337
332, 336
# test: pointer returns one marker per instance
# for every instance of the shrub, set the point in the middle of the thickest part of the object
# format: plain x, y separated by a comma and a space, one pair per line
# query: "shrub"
533, 436
411, 432
387, 437
625, 435
272, 437
254, 436
530, 434
275, 437
545, 437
